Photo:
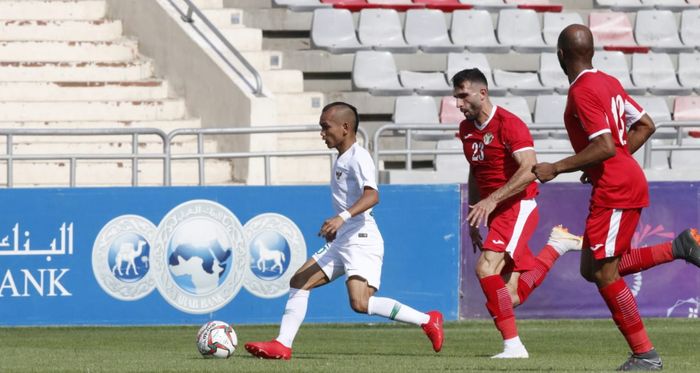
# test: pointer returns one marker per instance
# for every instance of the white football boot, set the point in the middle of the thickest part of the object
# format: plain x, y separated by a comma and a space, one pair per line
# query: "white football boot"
562, 241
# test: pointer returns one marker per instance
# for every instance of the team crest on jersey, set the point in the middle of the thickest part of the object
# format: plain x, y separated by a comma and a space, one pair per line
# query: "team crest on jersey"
488, 138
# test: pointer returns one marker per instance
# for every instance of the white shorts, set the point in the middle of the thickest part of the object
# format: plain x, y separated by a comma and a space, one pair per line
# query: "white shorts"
352, 259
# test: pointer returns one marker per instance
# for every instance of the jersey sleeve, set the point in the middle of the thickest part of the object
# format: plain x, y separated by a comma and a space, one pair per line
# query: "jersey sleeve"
633, 111
591, 113
516, 136
364, 171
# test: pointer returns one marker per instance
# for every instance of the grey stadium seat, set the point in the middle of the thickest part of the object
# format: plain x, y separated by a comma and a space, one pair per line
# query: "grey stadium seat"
376, 72
521, 28
552, 150
615, 64
334, 30
689, 70
464, 22
659, 30
457, 62
551, 73
520, 83
553, 23
301, 5
419, 110
381, 29
427, 29
690, 27
549, 109
431, 84
655, 70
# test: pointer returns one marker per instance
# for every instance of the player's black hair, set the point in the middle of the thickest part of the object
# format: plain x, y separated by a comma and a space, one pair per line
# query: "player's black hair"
469, 75
356, 125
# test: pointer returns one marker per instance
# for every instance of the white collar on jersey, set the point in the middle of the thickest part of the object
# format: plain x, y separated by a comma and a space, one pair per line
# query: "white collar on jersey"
480, 127
594, 70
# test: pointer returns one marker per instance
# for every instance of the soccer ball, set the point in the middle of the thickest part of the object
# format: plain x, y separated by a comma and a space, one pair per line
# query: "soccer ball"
216, 339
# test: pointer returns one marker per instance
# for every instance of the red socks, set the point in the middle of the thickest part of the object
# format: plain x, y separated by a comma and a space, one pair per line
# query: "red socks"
500, 305
637, 260
529, 280
624, 311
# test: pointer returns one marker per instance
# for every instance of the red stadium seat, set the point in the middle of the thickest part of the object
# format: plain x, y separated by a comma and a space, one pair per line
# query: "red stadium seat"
444, 5
613, 31
358, 5
536, 5
449, 113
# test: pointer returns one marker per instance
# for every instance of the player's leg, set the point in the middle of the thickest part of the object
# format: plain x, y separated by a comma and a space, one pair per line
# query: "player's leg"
608, 235
363, 266
315, 272
685, 246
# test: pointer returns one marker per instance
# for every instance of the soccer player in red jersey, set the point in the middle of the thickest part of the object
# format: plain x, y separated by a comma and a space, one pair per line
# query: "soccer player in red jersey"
597, 114
499, 149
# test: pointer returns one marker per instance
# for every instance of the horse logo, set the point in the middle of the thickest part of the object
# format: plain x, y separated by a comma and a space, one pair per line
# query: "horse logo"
265, 255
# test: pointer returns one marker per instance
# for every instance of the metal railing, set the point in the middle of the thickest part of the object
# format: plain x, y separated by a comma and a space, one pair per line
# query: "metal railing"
257, 86
72, 158
201, 156
679, 126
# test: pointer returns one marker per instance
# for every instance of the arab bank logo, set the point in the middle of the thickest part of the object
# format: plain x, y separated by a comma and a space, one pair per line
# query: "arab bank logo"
199, 256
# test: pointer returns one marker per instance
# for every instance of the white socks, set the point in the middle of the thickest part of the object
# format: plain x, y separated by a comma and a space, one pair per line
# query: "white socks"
513, 348
294, 314
394, 310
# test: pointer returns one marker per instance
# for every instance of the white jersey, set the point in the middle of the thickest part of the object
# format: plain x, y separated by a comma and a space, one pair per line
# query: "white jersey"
352, 172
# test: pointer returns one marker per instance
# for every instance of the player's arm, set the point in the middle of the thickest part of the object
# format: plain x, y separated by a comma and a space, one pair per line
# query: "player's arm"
639, 133
369, 198
480, 211
598, 150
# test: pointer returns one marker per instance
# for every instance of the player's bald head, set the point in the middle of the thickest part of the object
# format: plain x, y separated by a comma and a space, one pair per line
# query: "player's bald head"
343, 113
576, 43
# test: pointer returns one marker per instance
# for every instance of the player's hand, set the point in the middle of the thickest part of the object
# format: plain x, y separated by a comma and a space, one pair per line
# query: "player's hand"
330, 227
544, 171
476, 238
480, 212
585, 179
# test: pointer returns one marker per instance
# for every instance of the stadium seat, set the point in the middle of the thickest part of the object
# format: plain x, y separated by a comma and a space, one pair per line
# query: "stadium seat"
555, 22
622, 5
551, 73
516, 105
655, 71
686, 108
520, 83
689, 70
444, 5
690, 27
536, 5
457, 62
427, 29
333, 29
375, 71
611, 29
464, 22
452, 163
674, 5
449, 113
686, 159
549, 110
301, 5
398, 5
659, 30
487, 4
431, 84
615, 64
521, 28
419, 110
658, 110
381, 29
552, 150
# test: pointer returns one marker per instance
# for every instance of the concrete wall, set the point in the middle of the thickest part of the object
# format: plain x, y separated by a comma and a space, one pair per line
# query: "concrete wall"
211, 89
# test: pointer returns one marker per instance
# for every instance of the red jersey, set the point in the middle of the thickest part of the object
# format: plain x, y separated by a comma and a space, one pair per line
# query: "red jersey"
489, 149
598, 104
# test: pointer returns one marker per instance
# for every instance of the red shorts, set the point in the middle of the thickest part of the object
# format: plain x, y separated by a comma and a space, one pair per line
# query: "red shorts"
510, 230
609, 231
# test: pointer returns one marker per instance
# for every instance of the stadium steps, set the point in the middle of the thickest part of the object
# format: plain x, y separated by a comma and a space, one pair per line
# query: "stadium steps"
63, 65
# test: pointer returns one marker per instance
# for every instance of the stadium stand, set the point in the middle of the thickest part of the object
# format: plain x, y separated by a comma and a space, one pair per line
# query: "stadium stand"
656, 71
689, 70
659, 30
376, 71
464, 21
551, 74
427, 29
520, 83
522, 29
381, 29
613, 31
690, 27
334, 30
615, 64
419, 110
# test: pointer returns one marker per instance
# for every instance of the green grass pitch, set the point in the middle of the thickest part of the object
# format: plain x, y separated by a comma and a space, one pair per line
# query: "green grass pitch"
554, 346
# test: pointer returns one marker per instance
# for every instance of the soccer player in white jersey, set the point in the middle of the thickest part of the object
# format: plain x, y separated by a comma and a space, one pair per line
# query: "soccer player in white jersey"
354, 245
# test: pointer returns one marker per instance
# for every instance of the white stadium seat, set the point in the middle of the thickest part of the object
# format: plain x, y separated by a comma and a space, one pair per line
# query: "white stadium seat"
658, 110
487, 4
431, 84
655, 71
674, 5
464, 24
520, 83
376, 72
516, 105
427, 29
452, 163
551, 74
333, 29
689, 70
457, 62
659, 30
557, 148
623, 5
615, 64
549, 109
521, 28
690, 27
301, 5
553, 23
381, 29
419, 110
